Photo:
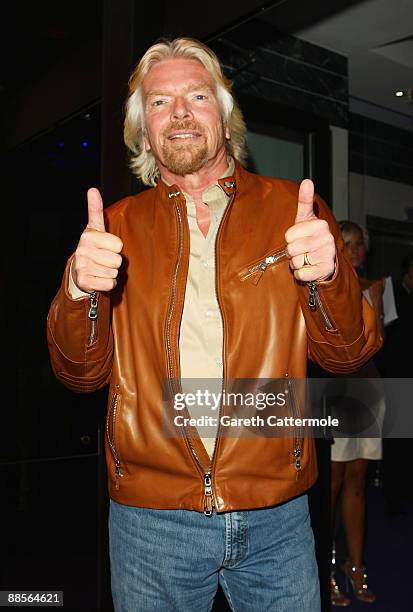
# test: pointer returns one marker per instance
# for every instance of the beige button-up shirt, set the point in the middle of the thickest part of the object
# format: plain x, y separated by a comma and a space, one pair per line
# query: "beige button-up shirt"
201, 336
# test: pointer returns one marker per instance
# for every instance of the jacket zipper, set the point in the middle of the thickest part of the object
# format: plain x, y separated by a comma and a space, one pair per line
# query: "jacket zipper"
208, 493
297, 442
314, 302
93, 315
212, 463
112, 438
260, 267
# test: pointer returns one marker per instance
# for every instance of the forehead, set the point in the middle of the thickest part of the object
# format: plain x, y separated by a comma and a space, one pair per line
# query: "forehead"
176, 74
356, 235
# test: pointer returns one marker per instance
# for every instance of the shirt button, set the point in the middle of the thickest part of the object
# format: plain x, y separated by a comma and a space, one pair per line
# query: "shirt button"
218, 362
205, 264
209, 313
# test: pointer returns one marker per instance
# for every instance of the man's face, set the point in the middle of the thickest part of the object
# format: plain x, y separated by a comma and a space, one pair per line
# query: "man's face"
184, 128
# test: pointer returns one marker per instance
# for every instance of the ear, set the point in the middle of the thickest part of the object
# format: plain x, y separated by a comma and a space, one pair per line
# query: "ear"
227, 133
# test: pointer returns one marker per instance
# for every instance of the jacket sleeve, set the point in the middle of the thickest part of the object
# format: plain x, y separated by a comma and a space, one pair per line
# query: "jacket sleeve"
341, 325
81, 349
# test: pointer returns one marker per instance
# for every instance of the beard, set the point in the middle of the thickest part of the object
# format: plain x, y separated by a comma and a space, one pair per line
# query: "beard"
186, 156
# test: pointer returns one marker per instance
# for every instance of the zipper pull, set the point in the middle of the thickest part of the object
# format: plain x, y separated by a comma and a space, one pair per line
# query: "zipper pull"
255, 272
93, 315
264, 264
208, 500
312, 295
118, 473
93, 310
258, 270
297, 455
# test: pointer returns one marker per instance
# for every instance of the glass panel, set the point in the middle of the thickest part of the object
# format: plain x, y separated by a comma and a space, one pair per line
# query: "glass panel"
276, 157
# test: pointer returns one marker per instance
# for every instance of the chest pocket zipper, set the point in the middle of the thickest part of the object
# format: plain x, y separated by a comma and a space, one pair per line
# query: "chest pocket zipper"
111, 420
254, 271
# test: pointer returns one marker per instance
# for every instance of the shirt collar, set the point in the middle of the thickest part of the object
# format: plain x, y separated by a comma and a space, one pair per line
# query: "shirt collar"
228, 172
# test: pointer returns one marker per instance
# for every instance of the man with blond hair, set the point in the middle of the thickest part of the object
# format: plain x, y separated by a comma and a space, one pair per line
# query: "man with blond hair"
212, 273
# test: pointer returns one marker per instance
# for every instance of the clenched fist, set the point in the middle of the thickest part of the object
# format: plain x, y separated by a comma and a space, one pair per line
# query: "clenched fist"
310, 244
97, 258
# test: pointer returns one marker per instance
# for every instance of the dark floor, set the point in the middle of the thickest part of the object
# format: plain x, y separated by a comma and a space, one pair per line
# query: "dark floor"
48, 529
389, 542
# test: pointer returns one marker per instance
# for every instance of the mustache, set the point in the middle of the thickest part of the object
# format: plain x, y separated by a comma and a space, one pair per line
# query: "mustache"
183, 125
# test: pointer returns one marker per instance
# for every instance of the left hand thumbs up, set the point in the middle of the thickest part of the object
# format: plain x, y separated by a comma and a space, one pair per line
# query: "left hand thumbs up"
310, 244
305, 210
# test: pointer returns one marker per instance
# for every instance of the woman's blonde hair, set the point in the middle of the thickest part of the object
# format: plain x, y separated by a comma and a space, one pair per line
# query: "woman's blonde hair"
350, 227
143, 163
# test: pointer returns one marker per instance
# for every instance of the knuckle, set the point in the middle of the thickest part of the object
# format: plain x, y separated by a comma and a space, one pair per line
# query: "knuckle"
81, 263
100, 284
294, 263
289, 249
81, 279
107, 284
81, 250
86, 237
83, 238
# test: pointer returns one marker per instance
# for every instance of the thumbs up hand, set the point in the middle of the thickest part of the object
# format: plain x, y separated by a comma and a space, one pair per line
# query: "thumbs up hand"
97, 258
310, 244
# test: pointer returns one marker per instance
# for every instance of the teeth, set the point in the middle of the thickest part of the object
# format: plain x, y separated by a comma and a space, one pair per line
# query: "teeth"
183, 136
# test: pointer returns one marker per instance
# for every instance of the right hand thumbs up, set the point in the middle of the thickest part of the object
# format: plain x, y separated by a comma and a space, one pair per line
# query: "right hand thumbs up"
97, 258
95, 210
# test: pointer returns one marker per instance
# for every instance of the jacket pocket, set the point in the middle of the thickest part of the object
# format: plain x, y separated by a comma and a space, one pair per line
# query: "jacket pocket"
254, 271
111, 423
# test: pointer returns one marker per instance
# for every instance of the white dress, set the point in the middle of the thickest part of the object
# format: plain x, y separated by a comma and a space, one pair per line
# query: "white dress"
349, 449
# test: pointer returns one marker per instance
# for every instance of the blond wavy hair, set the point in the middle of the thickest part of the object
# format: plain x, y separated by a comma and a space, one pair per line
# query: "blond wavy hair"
142, 162
348, 228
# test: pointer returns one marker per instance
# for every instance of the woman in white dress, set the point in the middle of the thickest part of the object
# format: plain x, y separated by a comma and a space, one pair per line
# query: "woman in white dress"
350, 456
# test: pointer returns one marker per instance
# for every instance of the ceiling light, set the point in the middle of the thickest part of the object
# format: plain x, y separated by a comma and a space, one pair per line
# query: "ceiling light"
405, 94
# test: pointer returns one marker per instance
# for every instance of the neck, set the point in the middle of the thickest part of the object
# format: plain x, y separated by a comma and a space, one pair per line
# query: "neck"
196, 183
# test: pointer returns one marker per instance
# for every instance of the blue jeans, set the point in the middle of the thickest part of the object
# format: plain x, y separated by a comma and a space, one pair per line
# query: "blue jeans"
172, 560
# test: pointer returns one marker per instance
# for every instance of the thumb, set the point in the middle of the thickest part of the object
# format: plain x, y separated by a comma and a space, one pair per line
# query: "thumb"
95, 210
305, 210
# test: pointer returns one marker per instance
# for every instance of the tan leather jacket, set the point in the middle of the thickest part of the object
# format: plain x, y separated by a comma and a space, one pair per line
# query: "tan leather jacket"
129, 339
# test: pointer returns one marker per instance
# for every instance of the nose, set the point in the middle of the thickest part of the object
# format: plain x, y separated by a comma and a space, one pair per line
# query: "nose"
181, 109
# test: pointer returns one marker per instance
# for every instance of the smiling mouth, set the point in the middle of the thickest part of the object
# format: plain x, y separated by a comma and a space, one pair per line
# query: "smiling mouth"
183, 136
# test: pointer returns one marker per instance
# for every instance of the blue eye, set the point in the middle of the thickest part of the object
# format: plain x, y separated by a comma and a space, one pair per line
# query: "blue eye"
200, 97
